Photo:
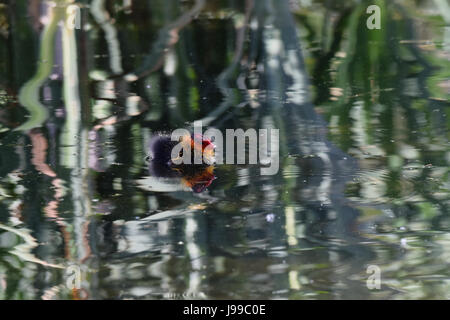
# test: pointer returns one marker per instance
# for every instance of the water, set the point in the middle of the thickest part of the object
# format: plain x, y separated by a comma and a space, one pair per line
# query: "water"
364, 150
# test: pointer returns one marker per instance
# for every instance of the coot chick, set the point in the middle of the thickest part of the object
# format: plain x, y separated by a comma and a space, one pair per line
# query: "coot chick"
196, 176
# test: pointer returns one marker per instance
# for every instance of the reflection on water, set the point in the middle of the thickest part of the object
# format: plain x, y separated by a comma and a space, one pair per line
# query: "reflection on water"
364, 150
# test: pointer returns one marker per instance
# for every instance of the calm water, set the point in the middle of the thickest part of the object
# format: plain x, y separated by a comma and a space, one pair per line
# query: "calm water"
364, 149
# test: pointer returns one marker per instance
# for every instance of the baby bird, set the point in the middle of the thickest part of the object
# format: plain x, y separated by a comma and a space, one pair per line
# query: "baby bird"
162, 162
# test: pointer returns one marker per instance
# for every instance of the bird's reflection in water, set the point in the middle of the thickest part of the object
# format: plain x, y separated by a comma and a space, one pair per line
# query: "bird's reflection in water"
166, 175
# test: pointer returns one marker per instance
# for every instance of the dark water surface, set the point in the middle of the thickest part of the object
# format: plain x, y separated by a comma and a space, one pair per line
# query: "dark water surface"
364, 149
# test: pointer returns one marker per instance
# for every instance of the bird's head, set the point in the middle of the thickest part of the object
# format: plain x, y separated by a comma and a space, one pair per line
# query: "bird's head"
198, 145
